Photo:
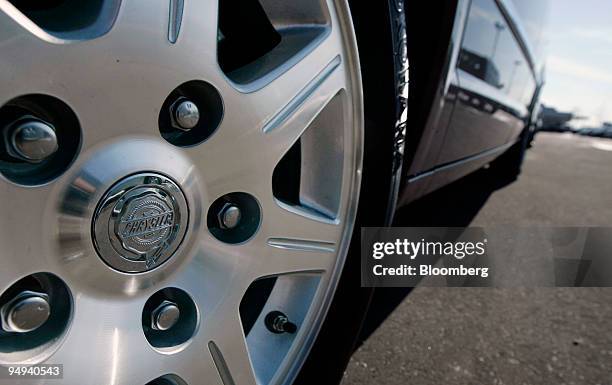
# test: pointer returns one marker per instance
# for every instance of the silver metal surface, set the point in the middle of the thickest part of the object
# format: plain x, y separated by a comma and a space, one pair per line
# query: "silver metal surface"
140, 222
25, 313
185, 114
229, 216
116, 85
175, 20
32, 140
165, 316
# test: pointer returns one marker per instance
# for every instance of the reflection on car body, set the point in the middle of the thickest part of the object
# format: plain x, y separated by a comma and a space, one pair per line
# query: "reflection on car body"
494, 76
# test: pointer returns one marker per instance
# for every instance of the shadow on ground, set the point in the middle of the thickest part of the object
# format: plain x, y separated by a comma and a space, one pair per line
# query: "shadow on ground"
455, 205
544, 336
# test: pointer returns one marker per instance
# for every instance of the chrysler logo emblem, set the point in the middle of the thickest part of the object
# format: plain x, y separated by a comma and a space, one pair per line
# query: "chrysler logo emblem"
146, 221
140, 222
147, 224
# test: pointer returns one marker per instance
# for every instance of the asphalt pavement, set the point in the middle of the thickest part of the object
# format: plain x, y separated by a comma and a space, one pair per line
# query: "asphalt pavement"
501, 336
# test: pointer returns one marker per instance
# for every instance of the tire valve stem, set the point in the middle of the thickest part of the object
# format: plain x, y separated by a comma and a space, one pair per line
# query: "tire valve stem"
278, 323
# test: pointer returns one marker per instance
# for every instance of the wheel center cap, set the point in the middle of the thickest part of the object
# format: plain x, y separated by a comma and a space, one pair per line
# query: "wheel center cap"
140, 222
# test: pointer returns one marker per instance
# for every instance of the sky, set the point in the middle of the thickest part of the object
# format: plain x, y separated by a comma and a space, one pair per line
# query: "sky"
579, 59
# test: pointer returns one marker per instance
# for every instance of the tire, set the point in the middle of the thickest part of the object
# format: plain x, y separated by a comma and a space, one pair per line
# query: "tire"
532, 134
380, 30
508, 165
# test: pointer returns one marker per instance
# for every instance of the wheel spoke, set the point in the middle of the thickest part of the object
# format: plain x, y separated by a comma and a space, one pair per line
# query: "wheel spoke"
229, 349
195, 366
296, 222
198, 35
24, 53
293, 87
287, 256
249, 153
284, 128
293, 240
21, 225
301, 97
215, 280
299, 257
109, 330
144, 22
287, 242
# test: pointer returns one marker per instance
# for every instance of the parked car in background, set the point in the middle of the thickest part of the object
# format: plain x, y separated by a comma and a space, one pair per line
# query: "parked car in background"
605, 131
555, 121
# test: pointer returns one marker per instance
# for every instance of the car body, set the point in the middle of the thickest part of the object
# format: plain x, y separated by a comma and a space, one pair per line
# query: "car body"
605, 131
486, 96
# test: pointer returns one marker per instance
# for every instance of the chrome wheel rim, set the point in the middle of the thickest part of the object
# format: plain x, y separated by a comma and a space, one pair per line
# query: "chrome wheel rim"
116, 75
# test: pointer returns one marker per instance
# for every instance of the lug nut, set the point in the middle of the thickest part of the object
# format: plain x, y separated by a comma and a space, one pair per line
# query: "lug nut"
32, 140
278, 323
165, 316
229, 216
185, 114
26, 312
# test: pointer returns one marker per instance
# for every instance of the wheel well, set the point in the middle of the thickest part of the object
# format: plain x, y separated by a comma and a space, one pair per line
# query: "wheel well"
429, 26
379, 32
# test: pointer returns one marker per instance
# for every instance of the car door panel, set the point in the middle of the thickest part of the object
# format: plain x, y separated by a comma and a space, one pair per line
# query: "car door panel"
494, 78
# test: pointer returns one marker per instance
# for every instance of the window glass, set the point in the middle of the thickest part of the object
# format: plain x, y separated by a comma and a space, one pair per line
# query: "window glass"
490, 52
534, 16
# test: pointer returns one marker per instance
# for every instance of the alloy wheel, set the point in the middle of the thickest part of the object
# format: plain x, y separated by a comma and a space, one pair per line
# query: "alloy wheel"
192, 223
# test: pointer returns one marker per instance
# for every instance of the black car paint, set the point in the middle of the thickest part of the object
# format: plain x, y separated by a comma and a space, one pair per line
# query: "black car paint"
483, 100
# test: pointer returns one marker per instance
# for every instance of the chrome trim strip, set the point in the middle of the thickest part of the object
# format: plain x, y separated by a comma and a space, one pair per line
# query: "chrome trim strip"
515, 23
470, 83
459, 162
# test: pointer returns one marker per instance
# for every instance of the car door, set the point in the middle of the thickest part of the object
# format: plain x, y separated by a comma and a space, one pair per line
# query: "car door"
494, 85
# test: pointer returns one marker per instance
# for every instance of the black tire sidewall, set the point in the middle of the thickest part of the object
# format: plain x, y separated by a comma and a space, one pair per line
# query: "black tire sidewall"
380, 31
